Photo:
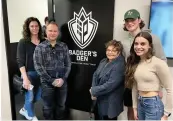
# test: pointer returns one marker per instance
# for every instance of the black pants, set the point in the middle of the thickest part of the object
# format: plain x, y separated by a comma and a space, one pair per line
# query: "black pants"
107, 118
97, 117
128, 97
54, 99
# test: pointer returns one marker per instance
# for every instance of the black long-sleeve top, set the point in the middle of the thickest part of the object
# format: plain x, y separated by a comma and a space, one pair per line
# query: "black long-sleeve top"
25, 51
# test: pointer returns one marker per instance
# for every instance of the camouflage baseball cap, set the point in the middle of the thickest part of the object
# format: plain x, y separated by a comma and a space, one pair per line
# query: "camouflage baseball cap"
132, 13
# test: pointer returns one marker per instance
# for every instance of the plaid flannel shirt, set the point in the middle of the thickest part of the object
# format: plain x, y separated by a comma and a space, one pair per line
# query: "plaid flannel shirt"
52, 62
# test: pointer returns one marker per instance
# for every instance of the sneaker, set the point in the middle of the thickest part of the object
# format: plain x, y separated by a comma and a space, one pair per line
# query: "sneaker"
25, 113
34, 118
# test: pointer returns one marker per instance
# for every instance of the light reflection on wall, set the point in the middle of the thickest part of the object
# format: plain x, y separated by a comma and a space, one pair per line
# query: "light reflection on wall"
161, 24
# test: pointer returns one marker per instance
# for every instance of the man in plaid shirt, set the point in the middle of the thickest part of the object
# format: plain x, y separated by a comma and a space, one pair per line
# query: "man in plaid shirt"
52, 62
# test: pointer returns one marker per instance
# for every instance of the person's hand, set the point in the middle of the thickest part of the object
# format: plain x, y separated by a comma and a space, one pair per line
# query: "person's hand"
26, 84
160, 94
55, 82
135, 113
60, 82
90, 90
93, 98
164, 117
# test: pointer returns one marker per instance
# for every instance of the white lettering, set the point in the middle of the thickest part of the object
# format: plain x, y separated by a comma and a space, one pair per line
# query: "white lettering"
94, 53
70, 52
83, 55
82, 58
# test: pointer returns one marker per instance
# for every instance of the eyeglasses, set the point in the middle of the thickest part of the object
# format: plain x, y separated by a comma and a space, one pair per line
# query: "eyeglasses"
112, 51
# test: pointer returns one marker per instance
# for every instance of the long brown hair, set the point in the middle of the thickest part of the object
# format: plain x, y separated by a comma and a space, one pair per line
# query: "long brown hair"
133, 60
26, 32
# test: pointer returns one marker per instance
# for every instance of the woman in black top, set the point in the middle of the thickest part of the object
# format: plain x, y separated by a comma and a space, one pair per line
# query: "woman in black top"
32, 36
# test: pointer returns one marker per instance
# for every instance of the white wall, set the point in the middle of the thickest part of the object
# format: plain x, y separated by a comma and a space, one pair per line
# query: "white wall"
19, 10
5, 105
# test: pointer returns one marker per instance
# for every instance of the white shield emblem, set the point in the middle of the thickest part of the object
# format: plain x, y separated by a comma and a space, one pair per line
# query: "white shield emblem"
82, 28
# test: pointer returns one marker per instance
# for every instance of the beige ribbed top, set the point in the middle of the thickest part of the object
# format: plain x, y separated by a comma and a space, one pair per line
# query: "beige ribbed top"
149, 76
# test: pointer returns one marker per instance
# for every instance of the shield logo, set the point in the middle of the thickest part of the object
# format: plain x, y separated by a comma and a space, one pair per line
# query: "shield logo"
82, 28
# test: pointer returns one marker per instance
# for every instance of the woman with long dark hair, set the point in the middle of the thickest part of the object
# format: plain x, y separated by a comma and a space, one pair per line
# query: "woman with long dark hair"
145, 74
134, 24
32, 36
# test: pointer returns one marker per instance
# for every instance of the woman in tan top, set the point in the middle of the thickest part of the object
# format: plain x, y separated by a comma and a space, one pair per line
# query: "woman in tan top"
145, 74
133, 23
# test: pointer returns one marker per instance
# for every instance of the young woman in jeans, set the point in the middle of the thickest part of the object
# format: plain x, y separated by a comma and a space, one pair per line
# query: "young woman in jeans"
145, 74
134, 24
32, 36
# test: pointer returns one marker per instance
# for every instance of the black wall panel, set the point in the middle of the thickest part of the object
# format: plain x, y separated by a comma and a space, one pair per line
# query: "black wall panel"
79, 81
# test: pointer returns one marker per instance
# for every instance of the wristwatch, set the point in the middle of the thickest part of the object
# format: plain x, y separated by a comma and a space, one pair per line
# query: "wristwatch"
167, 114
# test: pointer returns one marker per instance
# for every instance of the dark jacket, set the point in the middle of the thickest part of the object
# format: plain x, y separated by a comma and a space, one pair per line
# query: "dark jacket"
25, 51
52, 62
108, 86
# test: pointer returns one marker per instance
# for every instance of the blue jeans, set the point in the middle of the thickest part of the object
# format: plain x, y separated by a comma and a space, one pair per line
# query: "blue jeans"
150, 108
31, 96
54, 99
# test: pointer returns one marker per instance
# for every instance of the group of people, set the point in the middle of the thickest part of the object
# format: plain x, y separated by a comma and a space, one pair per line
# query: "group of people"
132, 74
46, 61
